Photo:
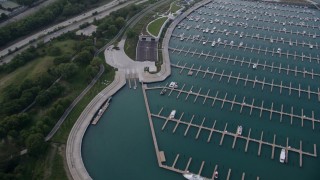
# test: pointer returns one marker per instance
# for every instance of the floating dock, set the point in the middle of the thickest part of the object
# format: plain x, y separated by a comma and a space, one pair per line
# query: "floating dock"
101, 111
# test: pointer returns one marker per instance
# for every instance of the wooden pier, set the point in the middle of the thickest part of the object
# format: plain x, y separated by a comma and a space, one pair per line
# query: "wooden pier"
235, 136
272, 67
253, 81
243, 104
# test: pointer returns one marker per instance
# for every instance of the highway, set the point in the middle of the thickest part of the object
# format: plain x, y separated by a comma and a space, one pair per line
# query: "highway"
64, 27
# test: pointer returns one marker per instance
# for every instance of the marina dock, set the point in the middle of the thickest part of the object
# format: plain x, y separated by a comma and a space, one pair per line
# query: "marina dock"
242, 104
240, 60
235, 136
101, 111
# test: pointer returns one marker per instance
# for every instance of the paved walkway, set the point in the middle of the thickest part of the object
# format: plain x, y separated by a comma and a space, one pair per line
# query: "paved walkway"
73, 149
125, 65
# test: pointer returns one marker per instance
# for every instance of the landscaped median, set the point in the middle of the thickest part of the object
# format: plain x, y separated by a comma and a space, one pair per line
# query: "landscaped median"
154, 27
174, 7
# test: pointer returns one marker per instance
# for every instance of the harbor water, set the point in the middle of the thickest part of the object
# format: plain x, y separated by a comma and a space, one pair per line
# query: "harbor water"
277, 102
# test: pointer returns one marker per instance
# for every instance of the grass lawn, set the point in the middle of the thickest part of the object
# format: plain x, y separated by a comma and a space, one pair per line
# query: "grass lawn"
28, 71
155, 26
174, 7
34, 68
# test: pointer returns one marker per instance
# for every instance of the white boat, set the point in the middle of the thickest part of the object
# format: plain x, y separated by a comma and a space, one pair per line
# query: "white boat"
241, 43
219, 39
173, 85
207, 30
255, 66
282, 155
172, 114
204, 42
231, 43
192, 176
213, 43
278, 50
239, 130
241, 35
311, 46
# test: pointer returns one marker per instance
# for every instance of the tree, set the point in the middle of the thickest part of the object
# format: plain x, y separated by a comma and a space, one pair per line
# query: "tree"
43, 98
67, 70
35, 144
131, 33
92, 71
96, 61
83, 58
120, 22
61, 59
112, 30
54, 51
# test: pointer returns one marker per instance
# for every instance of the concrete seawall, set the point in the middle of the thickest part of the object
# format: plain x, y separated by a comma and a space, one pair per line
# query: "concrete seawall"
74, 143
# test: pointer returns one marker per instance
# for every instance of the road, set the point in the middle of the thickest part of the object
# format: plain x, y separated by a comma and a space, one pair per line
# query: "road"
132, 21
66, 26
27, 12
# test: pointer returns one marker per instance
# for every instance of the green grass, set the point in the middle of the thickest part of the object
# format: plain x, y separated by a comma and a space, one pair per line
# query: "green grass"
62, 134
131, 44
174, 7
155, 26
66, 46
57, 169
130, 47
27, 71
33, 69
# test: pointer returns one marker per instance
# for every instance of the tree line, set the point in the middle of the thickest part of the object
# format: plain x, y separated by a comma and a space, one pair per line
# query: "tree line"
57, 11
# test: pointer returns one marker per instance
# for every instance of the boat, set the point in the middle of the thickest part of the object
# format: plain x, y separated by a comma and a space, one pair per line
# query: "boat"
282, 155
204, 42
311, 46
219, 39
278, 50
255, 66
213, 43
231, 43
163, 91
241, 43
241, 35
239, 130
192, 176
173, 85
172, 114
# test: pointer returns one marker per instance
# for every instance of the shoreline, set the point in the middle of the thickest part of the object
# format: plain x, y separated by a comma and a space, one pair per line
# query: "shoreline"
73, 148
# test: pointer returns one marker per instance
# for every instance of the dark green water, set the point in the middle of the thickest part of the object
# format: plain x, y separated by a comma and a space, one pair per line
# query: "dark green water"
120, 146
